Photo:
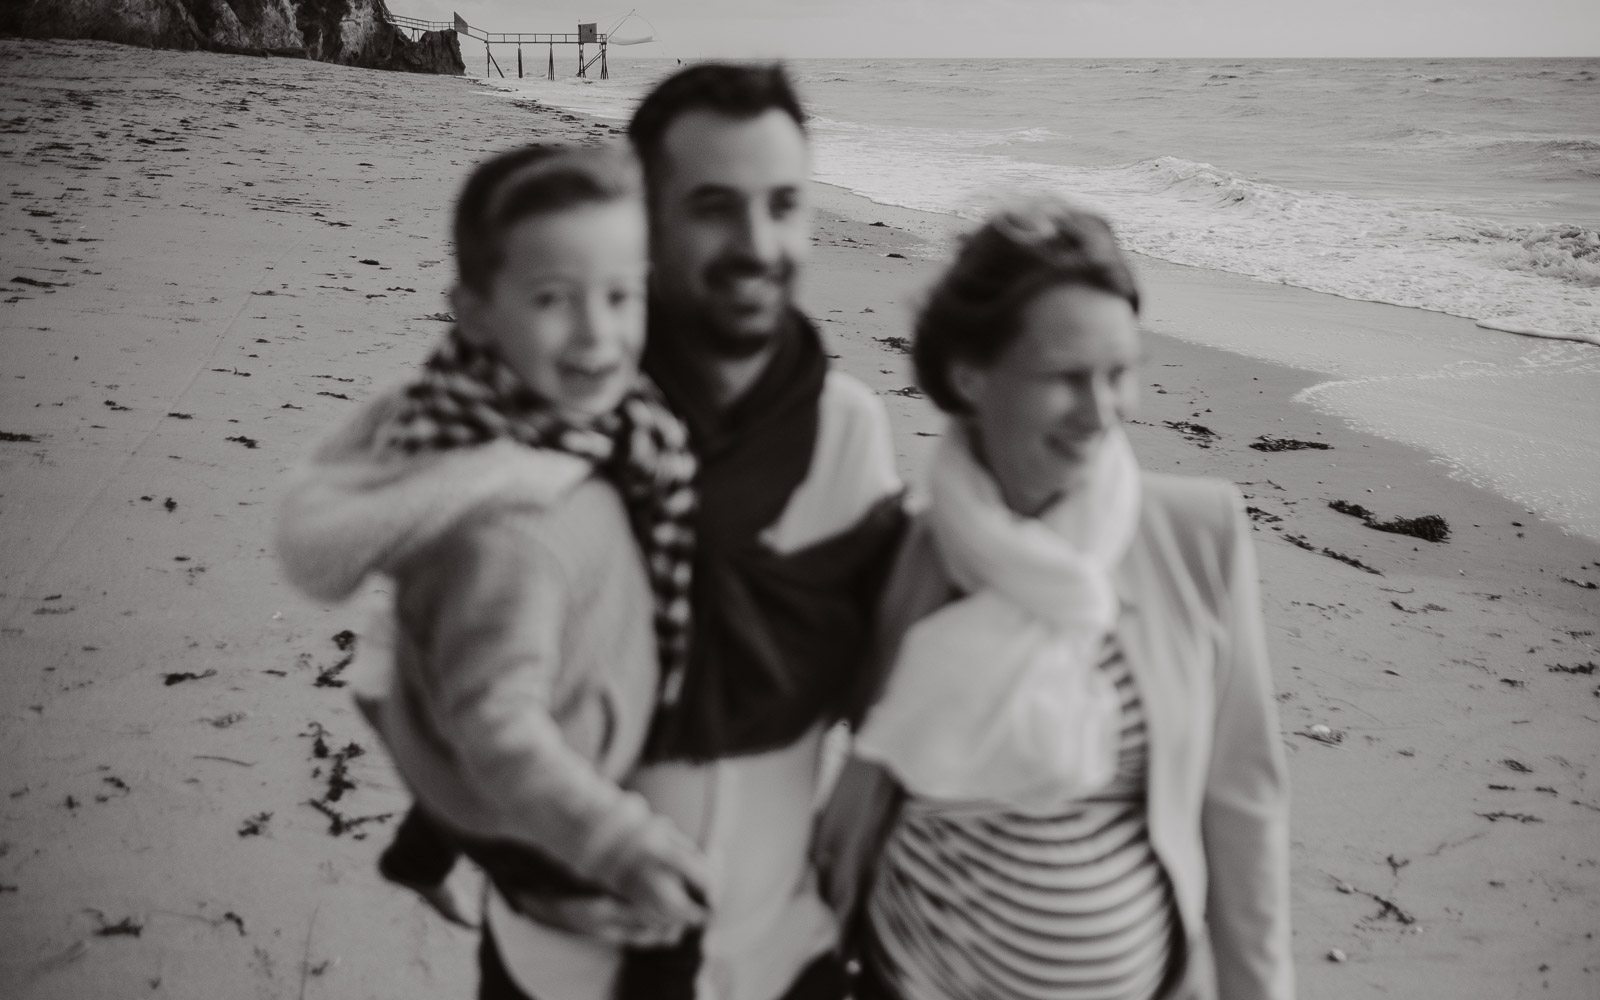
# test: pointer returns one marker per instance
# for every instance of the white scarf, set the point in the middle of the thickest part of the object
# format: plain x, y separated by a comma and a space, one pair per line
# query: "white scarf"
998, 697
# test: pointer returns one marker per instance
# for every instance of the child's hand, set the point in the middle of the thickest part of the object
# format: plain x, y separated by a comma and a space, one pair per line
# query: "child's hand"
666, 875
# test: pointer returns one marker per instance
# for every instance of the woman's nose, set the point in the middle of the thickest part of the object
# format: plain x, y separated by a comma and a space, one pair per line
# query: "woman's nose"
1099, 407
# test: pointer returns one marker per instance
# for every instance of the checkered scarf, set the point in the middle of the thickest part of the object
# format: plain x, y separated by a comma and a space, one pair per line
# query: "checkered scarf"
467, 396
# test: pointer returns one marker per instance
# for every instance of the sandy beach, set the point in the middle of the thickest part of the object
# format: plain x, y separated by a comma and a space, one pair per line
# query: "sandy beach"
209, 259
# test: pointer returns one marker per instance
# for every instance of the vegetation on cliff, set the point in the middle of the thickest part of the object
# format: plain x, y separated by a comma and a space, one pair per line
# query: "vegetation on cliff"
353, 32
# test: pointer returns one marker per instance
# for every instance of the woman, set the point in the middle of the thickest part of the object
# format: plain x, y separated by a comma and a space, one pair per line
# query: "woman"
1070, 783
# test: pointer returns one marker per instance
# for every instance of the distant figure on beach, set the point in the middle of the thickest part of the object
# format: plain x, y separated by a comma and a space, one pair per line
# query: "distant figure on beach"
509, 494
1070, 784
799, 510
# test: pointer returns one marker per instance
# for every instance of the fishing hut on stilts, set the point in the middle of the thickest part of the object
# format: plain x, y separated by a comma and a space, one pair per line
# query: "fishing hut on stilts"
586, 35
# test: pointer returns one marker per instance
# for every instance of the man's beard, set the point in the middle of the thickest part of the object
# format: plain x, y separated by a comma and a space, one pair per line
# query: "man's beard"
728, 336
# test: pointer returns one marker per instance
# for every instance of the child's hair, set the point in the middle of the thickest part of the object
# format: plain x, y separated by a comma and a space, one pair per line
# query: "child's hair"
975, 310
531, 180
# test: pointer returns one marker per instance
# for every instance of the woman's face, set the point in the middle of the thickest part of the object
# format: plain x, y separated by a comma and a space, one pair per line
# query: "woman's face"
1043, 407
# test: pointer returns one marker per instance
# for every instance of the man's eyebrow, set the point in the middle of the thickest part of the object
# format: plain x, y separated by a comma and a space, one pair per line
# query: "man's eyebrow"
710, 190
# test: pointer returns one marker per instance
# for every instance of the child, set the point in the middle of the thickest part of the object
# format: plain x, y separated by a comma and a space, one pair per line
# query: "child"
509, 494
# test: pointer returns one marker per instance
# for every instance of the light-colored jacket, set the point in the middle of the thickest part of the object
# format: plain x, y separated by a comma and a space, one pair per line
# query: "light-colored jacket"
1218, 794
514, 675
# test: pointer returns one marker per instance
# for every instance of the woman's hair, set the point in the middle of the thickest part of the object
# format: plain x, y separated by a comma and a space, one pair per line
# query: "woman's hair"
975, 310
531, 180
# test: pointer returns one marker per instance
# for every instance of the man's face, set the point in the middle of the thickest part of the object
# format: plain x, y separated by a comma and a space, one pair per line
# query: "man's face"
731, 223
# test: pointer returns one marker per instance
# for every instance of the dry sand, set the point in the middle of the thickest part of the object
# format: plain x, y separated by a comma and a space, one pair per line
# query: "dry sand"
211, 258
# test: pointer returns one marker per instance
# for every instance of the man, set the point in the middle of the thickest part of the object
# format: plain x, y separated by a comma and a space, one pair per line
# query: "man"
799, 511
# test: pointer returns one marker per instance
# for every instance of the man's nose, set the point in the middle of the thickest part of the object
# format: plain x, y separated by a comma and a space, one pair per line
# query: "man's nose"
758, 236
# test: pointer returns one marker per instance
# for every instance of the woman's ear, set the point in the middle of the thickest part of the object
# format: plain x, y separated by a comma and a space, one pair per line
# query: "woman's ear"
968, 381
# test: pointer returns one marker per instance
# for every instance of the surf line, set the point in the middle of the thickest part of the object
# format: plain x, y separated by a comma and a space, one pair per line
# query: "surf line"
1507, 326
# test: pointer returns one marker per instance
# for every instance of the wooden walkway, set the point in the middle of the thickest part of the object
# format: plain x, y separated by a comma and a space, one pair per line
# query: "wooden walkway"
585, 35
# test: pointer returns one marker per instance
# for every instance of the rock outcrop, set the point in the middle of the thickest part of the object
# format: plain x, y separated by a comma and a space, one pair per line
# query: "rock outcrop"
352, 32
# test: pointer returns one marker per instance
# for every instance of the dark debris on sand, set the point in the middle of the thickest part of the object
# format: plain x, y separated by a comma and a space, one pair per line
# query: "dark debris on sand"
1267, 442
900, 344
185, 675
1496, 816
338, 783
1300, 540
1573, 668
126, 927
1428, 527
1198, 434
14, 436
328, 677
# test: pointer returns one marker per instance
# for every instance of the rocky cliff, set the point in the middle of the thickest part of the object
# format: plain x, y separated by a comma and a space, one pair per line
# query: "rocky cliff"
353, 32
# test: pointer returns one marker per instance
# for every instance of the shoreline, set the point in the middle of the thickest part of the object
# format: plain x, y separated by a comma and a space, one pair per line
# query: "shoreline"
1536, 416
277, 251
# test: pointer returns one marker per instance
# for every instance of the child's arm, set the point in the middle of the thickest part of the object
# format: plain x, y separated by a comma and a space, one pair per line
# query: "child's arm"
494, 605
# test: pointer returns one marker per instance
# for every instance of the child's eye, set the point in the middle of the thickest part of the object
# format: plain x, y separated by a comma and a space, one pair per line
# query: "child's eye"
548, 299
623, 296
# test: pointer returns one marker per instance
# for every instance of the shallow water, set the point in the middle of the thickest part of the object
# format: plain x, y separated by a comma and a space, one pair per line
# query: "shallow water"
1466, 187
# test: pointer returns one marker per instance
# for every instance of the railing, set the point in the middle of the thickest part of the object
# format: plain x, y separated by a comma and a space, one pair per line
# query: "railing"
529, 38
417, 24
495, 37
517, 38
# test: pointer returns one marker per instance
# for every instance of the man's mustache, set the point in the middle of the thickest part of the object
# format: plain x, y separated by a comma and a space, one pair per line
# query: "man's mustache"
734, 268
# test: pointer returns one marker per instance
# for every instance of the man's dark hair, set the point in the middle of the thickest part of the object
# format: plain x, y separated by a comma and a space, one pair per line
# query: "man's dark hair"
736, 90
530, 180
975, 310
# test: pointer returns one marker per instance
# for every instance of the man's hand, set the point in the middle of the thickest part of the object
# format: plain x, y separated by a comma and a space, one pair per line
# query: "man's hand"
602, 918
665, 875
660, 887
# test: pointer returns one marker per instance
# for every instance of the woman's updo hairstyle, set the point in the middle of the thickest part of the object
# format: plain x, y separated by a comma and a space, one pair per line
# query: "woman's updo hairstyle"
974, 312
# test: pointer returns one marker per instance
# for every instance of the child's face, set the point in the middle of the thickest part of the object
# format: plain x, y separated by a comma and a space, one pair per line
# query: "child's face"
566, 309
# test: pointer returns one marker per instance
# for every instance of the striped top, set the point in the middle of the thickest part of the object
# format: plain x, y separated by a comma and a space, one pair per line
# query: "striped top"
974, 903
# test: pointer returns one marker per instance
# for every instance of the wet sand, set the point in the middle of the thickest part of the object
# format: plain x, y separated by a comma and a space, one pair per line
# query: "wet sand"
211, 258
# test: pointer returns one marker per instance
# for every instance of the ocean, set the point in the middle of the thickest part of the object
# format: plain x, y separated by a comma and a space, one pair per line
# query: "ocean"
1466, 187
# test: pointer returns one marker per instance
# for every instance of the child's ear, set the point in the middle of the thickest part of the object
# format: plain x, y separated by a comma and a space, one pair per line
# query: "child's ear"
468, 306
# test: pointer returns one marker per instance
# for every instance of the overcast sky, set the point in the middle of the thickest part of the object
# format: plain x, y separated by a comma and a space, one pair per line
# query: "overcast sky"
1082, 28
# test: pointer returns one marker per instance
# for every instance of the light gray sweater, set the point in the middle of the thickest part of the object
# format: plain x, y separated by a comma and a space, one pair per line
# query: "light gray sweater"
524, 668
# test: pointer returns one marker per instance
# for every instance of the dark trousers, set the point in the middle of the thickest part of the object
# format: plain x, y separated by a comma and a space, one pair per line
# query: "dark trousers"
823, 979
421, 854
